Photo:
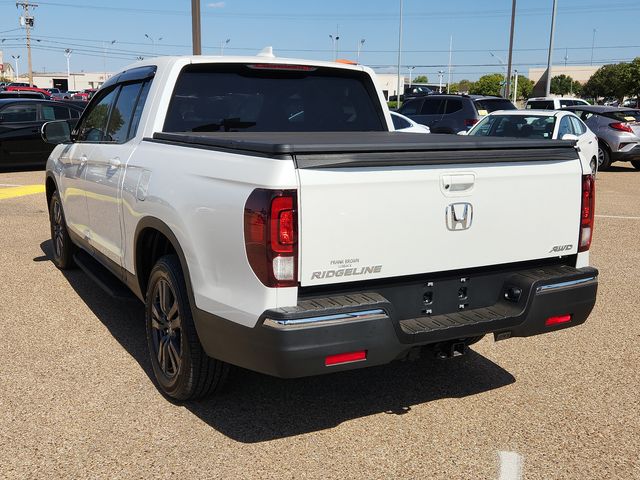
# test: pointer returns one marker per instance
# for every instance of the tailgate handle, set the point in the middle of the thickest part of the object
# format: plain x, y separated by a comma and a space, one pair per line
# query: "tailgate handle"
459, 182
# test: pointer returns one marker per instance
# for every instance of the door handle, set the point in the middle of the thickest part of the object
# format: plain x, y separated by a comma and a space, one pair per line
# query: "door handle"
114, 162
83, 160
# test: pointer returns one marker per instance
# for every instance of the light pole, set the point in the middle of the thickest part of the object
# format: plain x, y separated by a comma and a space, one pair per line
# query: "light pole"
360, 45
153, 42
503, 66
334, 40
593, 43
67, 53
553, 28
515, 86
224, 44
507, 87
410, 75
440, 77
105, 45
399, 102
16, 57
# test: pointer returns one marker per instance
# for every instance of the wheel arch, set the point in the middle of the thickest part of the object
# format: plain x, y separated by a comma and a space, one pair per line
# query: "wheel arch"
153, 239
50, 187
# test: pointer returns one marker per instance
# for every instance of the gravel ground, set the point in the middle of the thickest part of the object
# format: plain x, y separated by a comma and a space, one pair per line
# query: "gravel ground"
78, 400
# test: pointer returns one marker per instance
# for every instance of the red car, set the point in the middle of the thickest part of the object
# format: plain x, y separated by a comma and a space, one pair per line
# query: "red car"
46, 94
85, 95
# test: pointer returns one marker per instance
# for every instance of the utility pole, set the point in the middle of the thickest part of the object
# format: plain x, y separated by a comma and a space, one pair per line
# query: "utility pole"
28, 24
593, 43
553, 27
450, 50
507, 88
410, 75
399, 57
515, 86
196, 37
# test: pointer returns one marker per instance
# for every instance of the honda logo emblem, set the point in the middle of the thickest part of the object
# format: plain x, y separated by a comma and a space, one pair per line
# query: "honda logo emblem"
459, 216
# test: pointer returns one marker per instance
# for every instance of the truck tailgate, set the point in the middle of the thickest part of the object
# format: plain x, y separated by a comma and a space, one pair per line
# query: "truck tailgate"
367, 222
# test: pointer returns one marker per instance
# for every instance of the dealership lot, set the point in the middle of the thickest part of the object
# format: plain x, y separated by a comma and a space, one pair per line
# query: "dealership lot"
78, 400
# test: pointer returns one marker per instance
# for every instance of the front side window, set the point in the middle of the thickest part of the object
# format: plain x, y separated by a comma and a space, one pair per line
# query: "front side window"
19, 112
93, 124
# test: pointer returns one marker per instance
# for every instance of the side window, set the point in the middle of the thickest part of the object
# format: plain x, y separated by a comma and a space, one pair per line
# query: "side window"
565, 127
578, 126
120, 119
452, 106
137, 113
54, 112
410, 107
432, 106
19, 112
399, 123
93, 124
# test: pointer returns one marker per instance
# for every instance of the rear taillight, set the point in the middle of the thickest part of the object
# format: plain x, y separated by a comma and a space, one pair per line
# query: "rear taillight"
623, 127
470, 122
587, 210
271, 236
557, 320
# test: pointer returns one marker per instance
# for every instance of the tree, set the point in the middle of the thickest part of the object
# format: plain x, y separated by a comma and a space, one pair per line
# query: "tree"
525, 87
610, 81
561, 84
488, 85
421, 79
633, 78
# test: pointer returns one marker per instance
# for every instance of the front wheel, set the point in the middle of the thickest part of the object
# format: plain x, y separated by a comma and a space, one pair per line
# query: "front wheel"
636, 164
181, 367
63, 247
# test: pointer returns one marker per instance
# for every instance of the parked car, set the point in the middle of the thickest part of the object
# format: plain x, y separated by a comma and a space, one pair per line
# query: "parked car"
22, 94
19, 84
542, 124
552, 103
618, 132
405, 124
84, 95
44, 92
631, 103
452, 113
20, 123
269, 217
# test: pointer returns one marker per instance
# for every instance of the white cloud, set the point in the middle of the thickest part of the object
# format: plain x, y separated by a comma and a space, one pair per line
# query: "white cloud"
216, 5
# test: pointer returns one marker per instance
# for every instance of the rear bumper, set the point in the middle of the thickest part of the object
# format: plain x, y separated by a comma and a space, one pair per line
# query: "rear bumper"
295, 342
627, 156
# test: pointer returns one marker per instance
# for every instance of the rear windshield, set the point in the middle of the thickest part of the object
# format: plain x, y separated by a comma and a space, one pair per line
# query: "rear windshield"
540, 105
521, 126
260, 98
624, 115
493, 104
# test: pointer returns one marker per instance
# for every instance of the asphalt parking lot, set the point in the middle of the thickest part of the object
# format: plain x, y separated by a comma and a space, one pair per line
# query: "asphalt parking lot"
77, 398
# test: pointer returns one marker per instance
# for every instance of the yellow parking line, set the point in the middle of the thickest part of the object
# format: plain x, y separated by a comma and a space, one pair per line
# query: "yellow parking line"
12, 192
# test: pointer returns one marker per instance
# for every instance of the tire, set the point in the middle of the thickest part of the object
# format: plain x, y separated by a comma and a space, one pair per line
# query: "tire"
636, 164
63, 247
182, 369
604, 157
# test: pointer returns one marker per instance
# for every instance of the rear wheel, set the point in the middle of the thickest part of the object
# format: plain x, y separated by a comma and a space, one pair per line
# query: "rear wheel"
181, 367
604, 157
63, 247
636, 164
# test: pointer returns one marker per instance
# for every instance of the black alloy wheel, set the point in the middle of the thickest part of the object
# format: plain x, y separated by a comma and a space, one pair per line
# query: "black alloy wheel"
63, 247
167, 328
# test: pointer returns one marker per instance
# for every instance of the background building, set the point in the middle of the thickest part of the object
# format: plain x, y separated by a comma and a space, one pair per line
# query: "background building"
580, 73
75, 81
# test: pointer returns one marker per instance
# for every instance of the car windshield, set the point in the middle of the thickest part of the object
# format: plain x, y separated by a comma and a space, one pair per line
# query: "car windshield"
493, 104
624, 115
521, 126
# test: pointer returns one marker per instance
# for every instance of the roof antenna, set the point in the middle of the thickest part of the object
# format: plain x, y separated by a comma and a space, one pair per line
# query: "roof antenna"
266, 52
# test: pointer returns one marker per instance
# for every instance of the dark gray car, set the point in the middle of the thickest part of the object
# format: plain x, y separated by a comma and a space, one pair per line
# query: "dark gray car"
618, 132
452, 113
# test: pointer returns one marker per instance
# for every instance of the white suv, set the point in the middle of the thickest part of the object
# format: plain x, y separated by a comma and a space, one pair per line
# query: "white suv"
552, 103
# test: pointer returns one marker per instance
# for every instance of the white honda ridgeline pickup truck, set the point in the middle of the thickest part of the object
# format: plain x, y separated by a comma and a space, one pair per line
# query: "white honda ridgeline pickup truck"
269, 217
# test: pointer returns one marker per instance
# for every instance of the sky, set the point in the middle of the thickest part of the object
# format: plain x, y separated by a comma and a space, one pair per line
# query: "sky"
301, 29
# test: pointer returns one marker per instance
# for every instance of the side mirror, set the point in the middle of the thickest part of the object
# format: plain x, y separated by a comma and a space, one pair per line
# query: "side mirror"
570, 136
55, 132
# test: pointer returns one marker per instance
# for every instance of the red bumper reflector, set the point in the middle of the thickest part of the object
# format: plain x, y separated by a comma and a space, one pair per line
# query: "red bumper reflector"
345, 358
557, 320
